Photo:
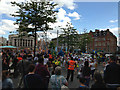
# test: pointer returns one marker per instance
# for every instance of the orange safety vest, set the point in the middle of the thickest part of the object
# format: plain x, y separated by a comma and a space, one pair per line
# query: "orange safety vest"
50, 56
71, 65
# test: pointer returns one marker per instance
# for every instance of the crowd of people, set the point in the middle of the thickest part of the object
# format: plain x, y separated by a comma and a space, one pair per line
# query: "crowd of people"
45, 69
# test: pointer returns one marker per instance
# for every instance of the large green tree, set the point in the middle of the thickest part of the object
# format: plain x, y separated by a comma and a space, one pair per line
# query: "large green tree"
68, 36
83, 41
34, 16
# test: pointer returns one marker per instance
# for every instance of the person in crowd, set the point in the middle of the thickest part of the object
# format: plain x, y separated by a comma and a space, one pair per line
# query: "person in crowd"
32, 80
86, 71
71, 68
112, 73
5, 65
82, 86
45, 59
7, 82
35, 59
14, 66
58, 80
50, 57
21, 66
99, 82
42, 70
92, 66
29, 58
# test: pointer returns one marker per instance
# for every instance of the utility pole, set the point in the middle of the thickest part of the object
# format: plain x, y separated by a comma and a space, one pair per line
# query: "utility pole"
35, 41
57, 40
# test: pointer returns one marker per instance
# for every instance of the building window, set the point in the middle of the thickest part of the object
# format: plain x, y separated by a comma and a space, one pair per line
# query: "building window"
96, 39
95, 44
99, 44
103, 43
103, 39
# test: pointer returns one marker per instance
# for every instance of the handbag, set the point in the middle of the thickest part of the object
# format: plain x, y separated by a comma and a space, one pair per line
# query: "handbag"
64, 87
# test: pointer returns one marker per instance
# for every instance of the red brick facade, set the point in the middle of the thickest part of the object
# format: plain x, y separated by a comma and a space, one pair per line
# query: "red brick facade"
102, 41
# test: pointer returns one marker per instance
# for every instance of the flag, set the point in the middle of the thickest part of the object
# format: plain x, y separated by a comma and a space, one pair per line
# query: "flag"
61, 47
94, 56
94, 51
66, 49
98, 53
56, 49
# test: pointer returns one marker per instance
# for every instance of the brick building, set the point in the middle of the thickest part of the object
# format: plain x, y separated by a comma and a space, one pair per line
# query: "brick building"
103, 41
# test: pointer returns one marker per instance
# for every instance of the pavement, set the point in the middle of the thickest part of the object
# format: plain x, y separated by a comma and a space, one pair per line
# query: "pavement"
74, 84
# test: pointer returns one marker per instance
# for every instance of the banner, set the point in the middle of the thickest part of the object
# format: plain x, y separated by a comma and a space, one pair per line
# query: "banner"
56, 49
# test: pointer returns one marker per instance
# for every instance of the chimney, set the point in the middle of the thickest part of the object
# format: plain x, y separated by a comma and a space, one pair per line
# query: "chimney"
96, 30
107, 29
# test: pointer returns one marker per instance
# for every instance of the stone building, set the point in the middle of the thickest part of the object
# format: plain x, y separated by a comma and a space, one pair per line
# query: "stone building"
3, 41
24, 42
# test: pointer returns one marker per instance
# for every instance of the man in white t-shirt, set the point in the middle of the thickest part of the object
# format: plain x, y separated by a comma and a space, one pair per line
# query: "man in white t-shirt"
92, 65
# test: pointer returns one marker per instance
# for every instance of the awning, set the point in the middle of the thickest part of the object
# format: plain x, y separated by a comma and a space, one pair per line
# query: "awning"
8, 47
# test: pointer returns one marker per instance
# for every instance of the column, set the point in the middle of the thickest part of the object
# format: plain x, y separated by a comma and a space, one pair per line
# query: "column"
22, 42
30, 43
27, 42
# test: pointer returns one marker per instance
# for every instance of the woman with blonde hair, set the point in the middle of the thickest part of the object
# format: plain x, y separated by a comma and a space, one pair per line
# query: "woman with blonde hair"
57, 80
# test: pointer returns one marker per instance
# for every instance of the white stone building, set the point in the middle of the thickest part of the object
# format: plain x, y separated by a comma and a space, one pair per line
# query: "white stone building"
24, 42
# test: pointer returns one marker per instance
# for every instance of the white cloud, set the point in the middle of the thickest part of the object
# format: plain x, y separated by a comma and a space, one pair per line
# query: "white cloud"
62, 19
6, 8
74, 14
113, 30
7, 25
113, 21
62, 16
2, 32
69, 4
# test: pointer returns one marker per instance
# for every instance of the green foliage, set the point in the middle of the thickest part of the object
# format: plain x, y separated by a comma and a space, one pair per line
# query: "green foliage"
84, 40
34, 15
52, 45
69, 36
